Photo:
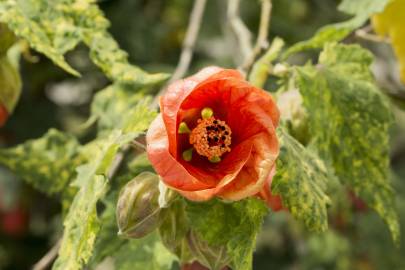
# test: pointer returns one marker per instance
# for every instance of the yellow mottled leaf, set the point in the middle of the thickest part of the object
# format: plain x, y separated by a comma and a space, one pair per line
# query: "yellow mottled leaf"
56, 27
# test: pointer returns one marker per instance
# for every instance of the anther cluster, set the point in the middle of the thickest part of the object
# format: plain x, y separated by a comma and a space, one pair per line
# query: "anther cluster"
211, 138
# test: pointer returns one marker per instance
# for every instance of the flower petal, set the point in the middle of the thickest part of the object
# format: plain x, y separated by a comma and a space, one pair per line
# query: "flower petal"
246, 109
171, 171
227, 170
221, 173
178, 91
253, 176
273, 201
199, 195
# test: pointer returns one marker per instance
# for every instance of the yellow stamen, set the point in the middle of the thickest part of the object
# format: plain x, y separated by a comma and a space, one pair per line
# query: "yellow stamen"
188, 154
207, 113
183, 128
215, 159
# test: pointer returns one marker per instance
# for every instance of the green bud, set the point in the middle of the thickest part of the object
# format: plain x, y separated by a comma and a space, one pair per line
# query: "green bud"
207, 113
294, 114
138, 211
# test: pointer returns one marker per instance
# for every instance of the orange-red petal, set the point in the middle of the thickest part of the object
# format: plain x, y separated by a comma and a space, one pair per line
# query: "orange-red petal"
3, 115
253, 177
178, 91
273, 201
173, 173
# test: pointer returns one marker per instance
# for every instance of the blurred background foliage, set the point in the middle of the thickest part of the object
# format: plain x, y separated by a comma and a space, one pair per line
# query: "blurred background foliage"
152, 31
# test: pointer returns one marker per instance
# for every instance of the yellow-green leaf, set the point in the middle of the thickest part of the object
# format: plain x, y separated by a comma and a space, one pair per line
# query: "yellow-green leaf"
81, 223
349, 121
47, 163
361, 11
301, 181
56, 27
10, 84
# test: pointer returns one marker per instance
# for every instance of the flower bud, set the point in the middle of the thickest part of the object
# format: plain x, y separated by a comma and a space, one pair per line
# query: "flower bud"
138, 211
213, 257
293, 112
280, 70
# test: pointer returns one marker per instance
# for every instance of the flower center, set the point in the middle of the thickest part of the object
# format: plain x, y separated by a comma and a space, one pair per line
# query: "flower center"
211, 138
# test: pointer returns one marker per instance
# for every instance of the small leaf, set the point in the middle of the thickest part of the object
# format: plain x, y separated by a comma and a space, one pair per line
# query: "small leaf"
174, 229
7, 39
10, 84
301, 181
105, 53
146, 253
111, 104
360, 9
47, 163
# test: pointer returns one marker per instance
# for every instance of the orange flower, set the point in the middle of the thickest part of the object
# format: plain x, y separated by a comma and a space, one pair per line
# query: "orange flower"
215, 136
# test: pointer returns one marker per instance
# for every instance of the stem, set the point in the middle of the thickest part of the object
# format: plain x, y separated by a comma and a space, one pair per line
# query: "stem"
188, 46
364, 33
263, 67
48, 258
240, 30
261, 42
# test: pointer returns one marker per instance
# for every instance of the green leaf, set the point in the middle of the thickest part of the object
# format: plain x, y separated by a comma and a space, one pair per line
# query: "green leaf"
328, 33
262, 67
118, 106
10, 84
31, 20
361, 11
233, 225
47, 163
56, 27
348, 60
105, 53
81, 223
108, 242
301, 181
363, 8
7, 39
350, 119
146, 253
174, 230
